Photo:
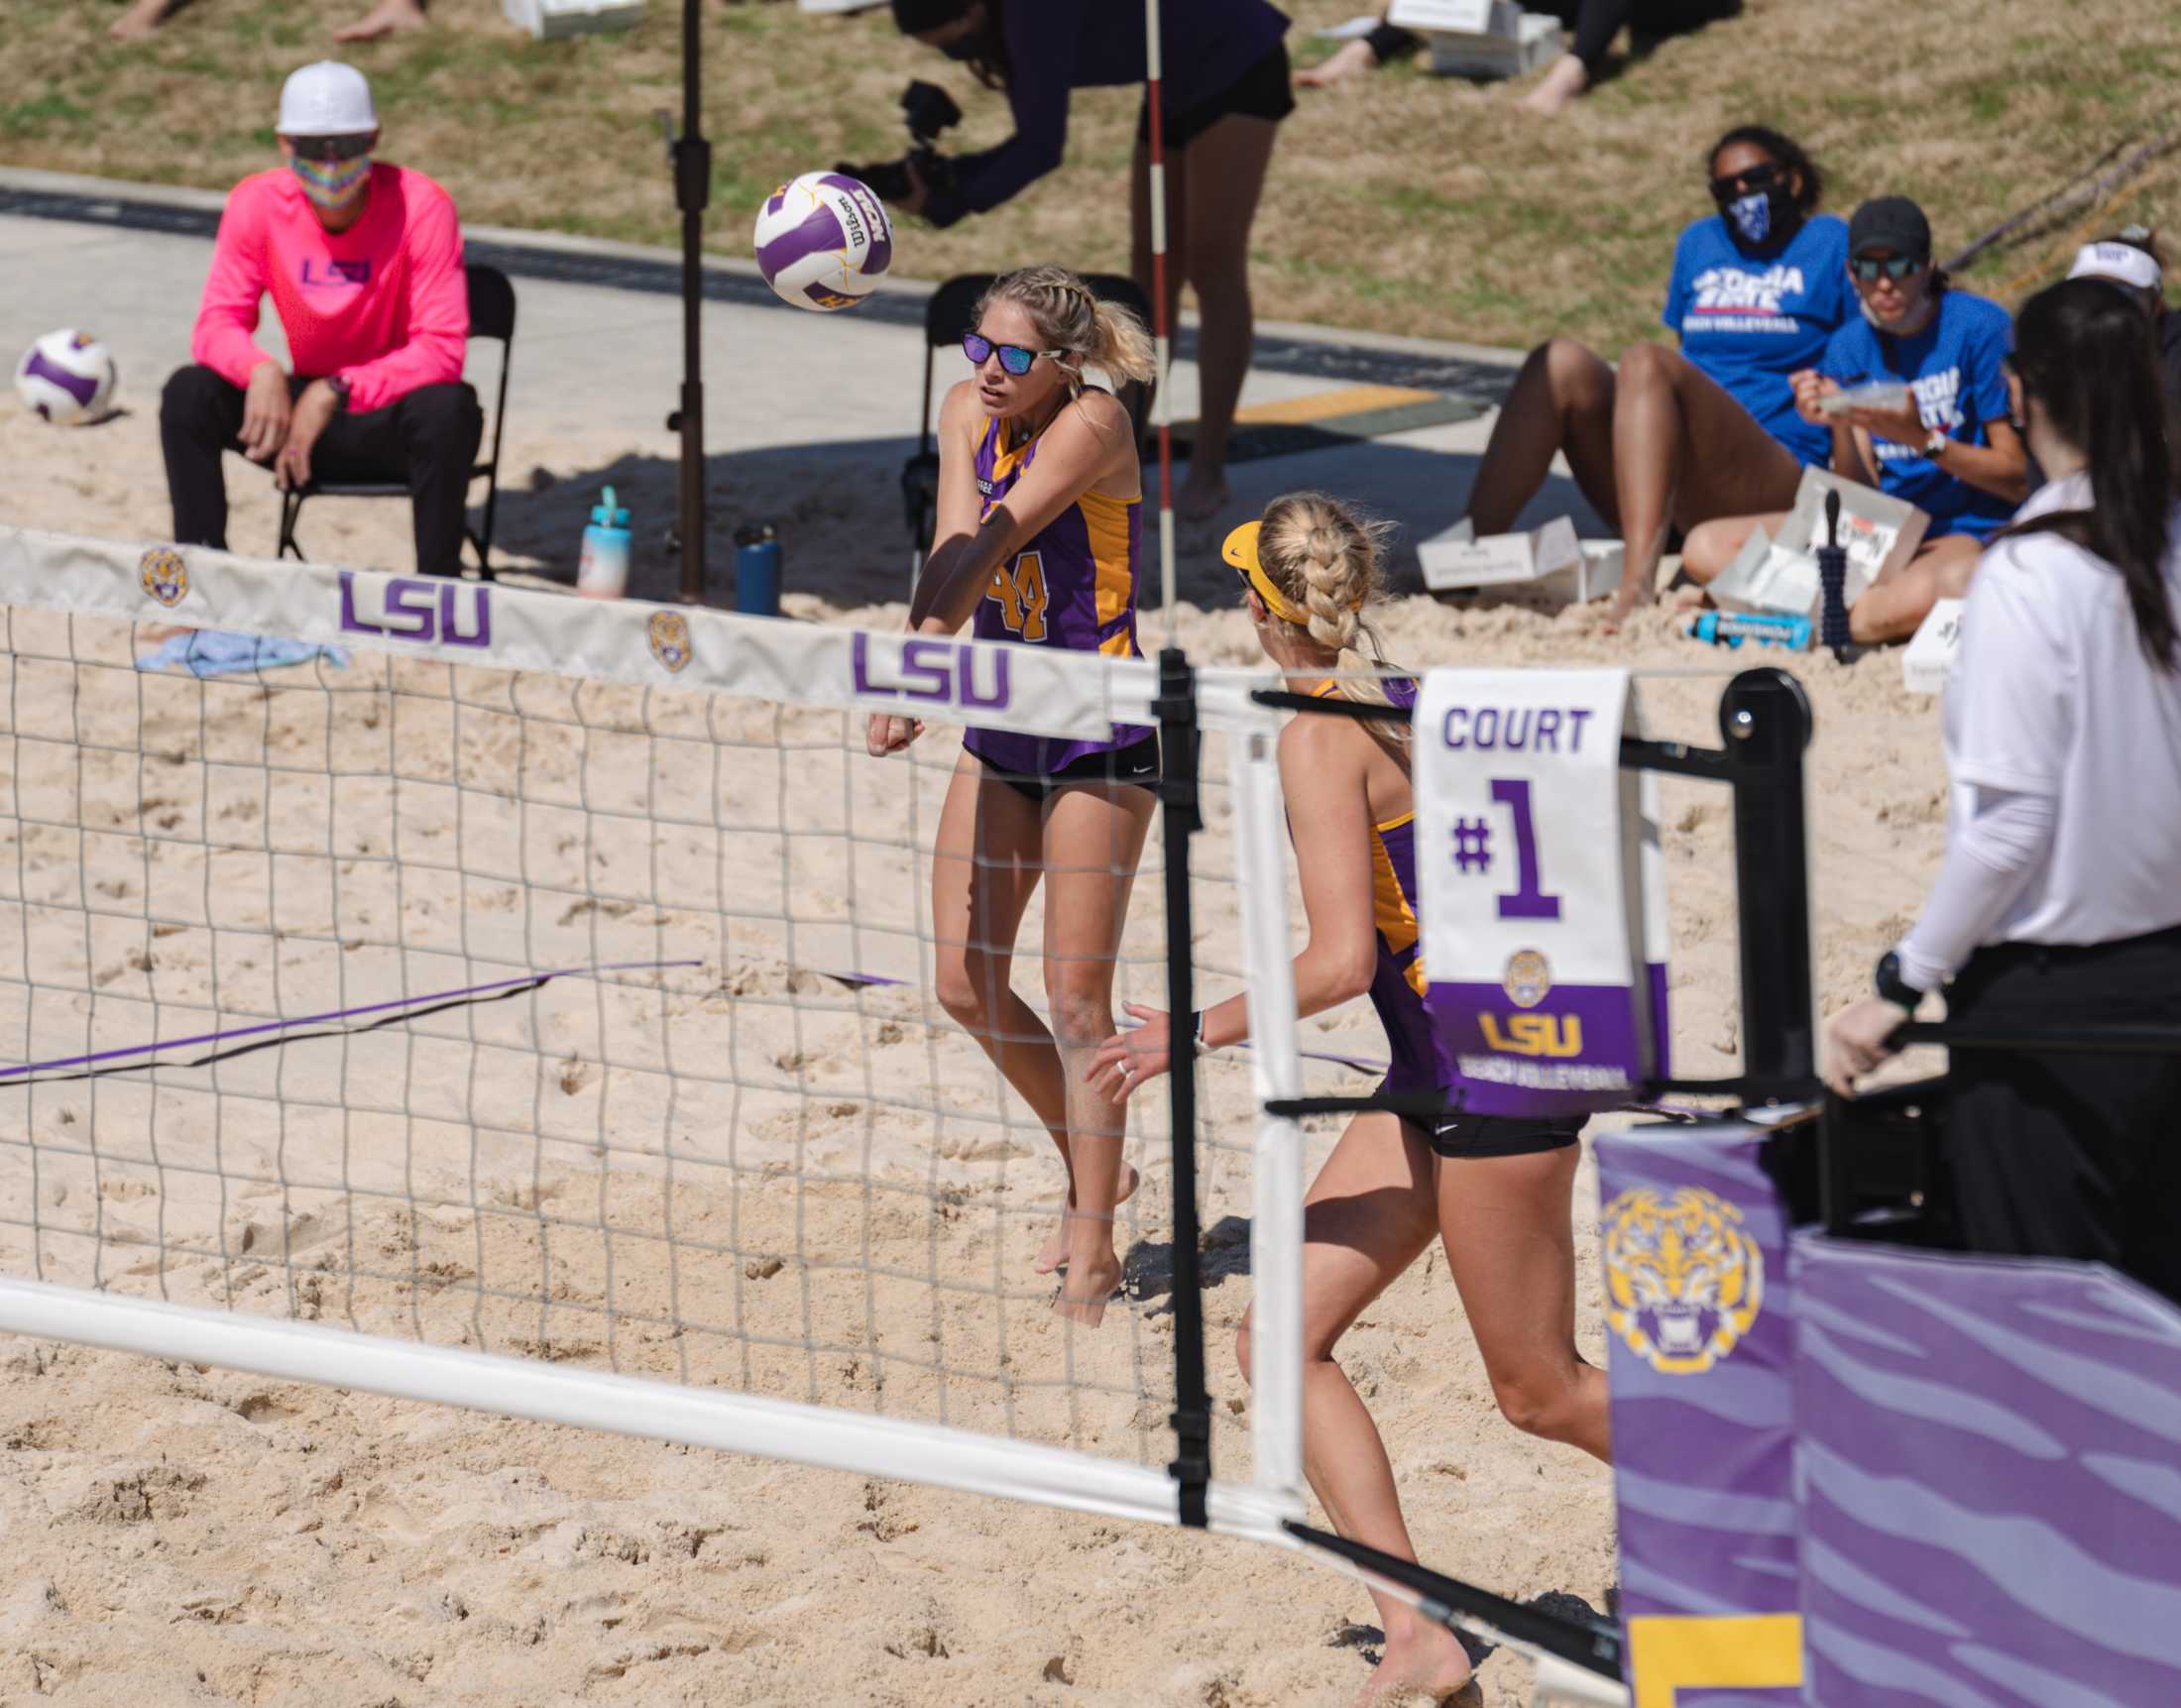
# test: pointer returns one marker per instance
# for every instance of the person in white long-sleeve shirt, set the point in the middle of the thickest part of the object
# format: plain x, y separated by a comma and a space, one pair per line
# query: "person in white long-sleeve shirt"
2059, 901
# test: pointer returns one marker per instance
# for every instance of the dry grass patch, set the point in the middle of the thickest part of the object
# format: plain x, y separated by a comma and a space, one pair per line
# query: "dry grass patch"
1402, 202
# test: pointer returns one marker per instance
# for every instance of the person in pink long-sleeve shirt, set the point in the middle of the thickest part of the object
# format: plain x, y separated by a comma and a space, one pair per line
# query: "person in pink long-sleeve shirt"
363, 262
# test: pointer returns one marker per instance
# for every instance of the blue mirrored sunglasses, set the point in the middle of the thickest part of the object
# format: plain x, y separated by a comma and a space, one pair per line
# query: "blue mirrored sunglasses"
1895, 266
1012, 357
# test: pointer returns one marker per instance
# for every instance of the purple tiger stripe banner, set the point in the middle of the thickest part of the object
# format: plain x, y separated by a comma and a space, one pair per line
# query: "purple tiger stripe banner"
1990, 1455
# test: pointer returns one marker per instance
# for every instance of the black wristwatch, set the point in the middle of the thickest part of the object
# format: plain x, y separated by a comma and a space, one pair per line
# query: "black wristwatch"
339, 387
1894, 989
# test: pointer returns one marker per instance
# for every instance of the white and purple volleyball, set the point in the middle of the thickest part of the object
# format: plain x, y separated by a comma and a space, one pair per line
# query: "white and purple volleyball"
67, 377
824, 241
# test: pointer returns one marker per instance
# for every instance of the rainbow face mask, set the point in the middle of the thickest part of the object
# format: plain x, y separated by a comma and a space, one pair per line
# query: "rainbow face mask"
333, 186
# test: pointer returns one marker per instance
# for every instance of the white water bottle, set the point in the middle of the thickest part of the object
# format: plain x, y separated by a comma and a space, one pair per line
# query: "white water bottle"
601, 572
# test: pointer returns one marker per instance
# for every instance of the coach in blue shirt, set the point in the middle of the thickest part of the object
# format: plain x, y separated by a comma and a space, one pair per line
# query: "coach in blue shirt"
1950, 450
1226, 88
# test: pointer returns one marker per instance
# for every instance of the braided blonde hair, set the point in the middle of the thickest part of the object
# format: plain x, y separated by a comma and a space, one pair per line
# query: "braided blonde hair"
1068, 315
1326, 559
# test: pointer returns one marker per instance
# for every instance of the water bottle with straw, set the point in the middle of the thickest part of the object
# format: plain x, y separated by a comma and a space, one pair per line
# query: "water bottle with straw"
1832, 572
603, 570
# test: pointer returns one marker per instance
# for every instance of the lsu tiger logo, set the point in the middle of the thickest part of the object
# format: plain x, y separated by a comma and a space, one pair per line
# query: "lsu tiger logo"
1527, 978
165, 576
1684, 1282
668, 632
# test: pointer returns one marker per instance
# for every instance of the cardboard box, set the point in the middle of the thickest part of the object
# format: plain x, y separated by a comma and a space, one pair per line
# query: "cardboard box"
1538, 40
1457, 17
1458, 560
548, 19
1781, 574
1932, 653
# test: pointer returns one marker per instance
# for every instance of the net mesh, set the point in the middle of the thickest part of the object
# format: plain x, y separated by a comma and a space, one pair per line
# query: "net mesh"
559, 1018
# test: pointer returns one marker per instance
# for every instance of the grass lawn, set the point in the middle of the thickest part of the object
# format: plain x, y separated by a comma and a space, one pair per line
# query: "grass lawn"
1401, 203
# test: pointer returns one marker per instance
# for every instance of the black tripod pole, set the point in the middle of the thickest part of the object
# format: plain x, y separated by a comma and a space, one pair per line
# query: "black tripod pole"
692, 190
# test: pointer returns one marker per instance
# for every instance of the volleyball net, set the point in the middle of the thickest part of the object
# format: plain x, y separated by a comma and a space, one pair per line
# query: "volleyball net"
471, 994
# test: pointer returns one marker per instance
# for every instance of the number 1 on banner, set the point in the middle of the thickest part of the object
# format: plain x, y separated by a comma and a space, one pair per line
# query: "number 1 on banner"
1527, 901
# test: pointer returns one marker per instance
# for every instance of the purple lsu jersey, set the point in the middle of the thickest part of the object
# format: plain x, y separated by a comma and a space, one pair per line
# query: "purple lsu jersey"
1074, 585
1397, 981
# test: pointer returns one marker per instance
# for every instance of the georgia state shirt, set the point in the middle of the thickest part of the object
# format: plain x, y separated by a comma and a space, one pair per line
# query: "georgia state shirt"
1956, 370
1749, 322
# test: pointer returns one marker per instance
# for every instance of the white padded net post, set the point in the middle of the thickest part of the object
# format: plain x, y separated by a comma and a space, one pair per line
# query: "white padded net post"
543, 1001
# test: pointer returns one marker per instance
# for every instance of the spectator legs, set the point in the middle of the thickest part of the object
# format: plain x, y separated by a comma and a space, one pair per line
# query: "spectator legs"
1684, 452
199, 416
439, 427
1561, 400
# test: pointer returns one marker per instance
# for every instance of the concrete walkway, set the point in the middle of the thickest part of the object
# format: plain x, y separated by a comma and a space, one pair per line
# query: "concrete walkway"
797, 404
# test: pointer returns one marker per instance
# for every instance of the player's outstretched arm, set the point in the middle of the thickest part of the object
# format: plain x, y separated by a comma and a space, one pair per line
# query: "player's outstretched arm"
1329, 821
1074, 453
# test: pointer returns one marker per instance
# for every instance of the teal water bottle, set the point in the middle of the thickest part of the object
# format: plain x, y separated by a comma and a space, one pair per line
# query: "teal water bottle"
603, 570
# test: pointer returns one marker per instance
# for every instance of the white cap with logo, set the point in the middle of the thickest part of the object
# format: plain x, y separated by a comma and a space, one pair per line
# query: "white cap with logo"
2121, 263
327, 99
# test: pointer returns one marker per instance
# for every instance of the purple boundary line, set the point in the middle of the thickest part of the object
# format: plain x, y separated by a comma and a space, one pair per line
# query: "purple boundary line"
335, 1014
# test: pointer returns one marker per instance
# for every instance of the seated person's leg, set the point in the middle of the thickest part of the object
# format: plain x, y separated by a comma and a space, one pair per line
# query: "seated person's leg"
1712, 546
1684, 452
199, 418
429, 438
1893, 607
1561, 400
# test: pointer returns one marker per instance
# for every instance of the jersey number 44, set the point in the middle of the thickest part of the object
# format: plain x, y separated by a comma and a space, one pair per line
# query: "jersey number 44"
1020, 588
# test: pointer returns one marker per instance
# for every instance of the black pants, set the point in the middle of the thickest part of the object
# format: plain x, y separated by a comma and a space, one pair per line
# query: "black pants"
2070, 1154
426, 438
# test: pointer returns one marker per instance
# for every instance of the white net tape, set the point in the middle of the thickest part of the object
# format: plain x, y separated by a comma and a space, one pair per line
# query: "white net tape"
553, 982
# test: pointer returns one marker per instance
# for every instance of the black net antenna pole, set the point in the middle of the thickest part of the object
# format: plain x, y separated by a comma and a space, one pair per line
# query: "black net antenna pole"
1177, 712
692, 191
1765, 719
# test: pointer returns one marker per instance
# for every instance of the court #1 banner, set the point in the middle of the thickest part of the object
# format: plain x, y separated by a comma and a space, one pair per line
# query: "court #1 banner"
1540, 890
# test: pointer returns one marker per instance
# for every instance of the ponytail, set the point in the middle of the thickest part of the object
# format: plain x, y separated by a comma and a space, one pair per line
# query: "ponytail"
1326, 559
1119, 345
1068, 315
2084, 352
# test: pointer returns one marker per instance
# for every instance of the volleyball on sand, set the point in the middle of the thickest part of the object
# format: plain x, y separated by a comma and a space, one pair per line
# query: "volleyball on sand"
67, 377
824, 241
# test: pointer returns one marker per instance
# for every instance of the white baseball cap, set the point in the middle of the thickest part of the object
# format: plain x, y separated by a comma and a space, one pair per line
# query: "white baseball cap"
327, 99
2122, 263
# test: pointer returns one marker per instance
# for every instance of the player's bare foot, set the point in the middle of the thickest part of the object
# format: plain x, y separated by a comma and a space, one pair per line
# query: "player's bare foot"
1634, 591
1054, 1254
387, 17
1562, 81
1350, 59
1094, 1272
1423, 1665
140, 20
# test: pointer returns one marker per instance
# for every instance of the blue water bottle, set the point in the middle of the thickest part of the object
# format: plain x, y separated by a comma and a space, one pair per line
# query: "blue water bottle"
603, 570
757, 570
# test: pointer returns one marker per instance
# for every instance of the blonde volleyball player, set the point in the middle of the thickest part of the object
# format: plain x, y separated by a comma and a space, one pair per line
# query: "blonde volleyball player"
1495, 1190
1039, 540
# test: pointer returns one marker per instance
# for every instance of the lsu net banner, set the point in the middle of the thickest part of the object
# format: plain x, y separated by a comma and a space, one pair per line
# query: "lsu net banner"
1542, 895
1043, 691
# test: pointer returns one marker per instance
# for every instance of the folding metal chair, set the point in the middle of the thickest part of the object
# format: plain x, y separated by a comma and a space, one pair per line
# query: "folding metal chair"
492, 315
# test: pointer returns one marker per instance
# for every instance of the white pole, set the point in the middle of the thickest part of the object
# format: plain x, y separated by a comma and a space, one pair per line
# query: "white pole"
1161, 415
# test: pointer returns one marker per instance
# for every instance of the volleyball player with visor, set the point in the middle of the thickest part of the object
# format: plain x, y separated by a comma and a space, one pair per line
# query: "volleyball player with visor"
1497, 1191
